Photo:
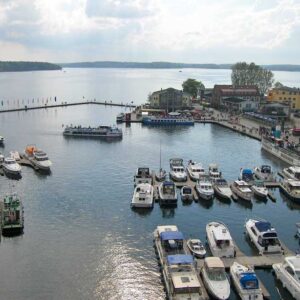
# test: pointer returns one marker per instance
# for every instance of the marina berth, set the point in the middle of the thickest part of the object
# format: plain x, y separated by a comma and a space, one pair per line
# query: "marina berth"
195, 170
276, 147
259, 189
196, 247
98, 132
242, 190
186, 193
204, 190
291, 188
265, 173
12, 215
142, 175
169, 120
219, 240
245, 282
177, 172
215, 278
222, 189
38, 158
288, 273
213, 172
167, 193
142, 196
11, 167
292, 172
263, 236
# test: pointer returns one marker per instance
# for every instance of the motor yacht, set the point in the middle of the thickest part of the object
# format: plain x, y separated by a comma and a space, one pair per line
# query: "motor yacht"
263, 236
241, 189
177, 172
264, 172
15, 155
195, 170
291, 172
142, 196
291, 188
219, 240
186, 193
38, 158
259, 189
196, 247
142, 175
246, 175
215, 278
222, 189
205, 190
288, 273
213, 172
167, 193
245, 282
11, 167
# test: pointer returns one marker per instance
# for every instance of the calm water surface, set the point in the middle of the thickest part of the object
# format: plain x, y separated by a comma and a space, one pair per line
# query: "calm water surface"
81, 239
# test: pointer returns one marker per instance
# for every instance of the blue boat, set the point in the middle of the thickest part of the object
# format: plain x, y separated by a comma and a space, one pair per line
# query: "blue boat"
167, 121
246, 175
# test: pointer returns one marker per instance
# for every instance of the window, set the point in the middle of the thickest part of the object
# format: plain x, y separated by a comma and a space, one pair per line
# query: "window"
290, 270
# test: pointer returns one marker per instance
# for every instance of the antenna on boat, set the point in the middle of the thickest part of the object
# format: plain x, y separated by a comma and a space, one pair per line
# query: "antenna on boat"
160, 155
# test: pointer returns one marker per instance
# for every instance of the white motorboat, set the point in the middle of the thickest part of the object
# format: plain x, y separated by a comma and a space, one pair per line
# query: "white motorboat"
219, 240
222, 189
167, 193
38, 158
195, 170
196, 247
263, 236
259, 189
186, 193
205, 190
245, 282
288, 273
264, 172
142, 196
246, 175
241, 189
142, 175
292, 172
215, 278
213, 172
15, 155
11, 167
177, 172
161, 175
291, 188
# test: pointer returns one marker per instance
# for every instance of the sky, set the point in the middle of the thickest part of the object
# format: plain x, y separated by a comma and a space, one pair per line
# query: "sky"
190, 31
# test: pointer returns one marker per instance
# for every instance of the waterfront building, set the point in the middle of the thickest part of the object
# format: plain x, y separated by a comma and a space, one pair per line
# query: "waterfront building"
170, 100
287, 95
237, 104
223, 94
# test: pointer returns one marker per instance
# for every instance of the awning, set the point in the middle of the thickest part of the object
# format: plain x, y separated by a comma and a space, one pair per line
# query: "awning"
180, 259
171, 235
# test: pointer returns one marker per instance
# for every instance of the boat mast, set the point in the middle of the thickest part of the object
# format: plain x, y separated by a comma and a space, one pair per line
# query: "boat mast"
159, 155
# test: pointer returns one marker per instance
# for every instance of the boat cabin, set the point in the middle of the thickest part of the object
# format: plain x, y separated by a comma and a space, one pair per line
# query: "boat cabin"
215, 269
205, 186
293, 185
172, 241
187, 190
143, 172
222, 237
221, 182
248, 281
168, 188
265, 233
176, 162
40, 155
293, 172
243, 186
265, 169
9, 161
184, 278
292, 266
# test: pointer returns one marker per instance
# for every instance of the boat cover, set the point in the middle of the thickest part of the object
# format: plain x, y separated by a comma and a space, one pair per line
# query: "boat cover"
249, 281
180, 259
247, 172
168, 183
263, 226
265, 169
171, 235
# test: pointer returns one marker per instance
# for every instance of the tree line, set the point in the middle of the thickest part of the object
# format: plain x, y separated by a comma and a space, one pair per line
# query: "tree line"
17, 66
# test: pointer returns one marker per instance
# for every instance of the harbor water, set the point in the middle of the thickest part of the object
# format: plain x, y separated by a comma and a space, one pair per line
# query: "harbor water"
81, 238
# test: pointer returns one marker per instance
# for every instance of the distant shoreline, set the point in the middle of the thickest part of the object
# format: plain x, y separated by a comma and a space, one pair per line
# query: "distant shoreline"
25, 66
168, 65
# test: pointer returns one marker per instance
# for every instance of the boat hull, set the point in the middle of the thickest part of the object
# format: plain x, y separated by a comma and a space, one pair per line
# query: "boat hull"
283, 189
222, 195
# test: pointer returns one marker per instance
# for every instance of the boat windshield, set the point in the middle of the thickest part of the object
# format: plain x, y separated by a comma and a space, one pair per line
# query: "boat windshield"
10, 162
41, 158
216, 274
168, 189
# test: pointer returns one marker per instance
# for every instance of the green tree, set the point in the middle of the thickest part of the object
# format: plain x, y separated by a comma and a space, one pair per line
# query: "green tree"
192, 86
278, 85
252, 74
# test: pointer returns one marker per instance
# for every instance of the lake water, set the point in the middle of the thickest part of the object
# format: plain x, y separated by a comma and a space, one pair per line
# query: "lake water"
81, 239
